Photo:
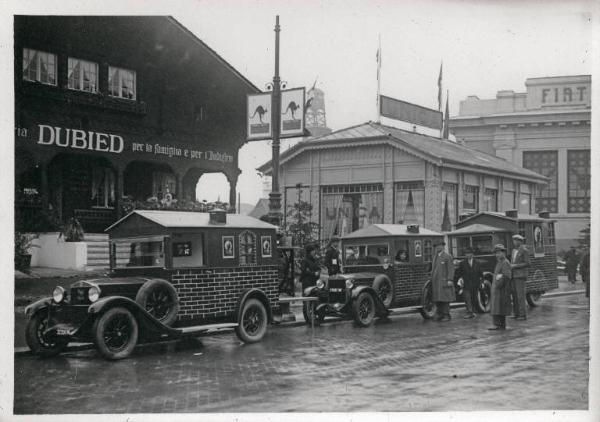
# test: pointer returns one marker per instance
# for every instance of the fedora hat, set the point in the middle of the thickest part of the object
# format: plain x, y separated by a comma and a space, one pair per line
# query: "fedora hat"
499, 247
518, 237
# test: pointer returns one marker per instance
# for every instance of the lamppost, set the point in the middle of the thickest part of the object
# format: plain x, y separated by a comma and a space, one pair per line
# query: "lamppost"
275, 195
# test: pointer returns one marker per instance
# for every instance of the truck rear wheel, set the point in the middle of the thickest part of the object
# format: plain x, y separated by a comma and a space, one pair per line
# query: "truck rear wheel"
159, 299
428, 308
115, 333
383, 286
484, 294
252, 321
534, 298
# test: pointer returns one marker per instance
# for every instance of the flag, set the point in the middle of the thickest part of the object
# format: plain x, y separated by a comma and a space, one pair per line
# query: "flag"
446, 134
440, 88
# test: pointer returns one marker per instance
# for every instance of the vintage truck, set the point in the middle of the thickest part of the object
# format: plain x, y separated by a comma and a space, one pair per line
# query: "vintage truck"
172, 274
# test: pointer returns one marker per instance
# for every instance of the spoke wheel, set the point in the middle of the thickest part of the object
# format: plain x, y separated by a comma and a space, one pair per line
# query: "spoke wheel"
307, 310
428, 308
252, 321
484, 295
385, 291
159, 299
116, 333
364, 309
40, 344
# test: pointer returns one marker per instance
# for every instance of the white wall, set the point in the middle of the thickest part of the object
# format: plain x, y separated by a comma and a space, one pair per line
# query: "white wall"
54, 252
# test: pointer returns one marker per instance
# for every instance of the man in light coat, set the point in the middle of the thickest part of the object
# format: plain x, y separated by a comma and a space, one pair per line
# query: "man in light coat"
500, 301
520, 267
442, 281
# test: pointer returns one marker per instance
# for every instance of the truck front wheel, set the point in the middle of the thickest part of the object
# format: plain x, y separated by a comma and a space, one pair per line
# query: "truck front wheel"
115, 333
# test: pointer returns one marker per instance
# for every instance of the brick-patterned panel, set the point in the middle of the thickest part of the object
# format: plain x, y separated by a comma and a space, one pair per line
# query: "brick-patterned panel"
212, 294
542, 275
409, 282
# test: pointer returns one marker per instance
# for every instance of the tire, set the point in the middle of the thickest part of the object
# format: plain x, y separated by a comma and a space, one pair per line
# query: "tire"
534, 298
363, 309
385, 290
38, 343
159, 298
252, 321
307, 311
115, 333
428, 308
483, 298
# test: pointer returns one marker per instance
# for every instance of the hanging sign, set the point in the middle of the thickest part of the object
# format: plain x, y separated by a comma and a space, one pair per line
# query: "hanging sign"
292, 112
259, 117
411, 113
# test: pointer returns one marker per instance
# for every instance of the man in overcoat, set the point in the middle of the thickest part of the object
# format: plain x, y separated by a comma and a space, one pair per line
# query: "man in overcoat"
500, 300
571, 261
442, 282
520, 267
310, 269
332, 257
469, 270
584, 269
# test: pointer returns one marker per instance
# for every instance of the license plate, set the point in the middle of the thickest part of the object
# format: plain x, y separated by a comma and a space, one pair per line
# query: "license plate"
335, 289
63, 332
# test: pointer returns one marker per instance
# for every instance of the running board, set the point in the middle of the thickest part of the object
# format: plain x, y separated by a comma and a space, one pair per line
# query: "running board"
203, 329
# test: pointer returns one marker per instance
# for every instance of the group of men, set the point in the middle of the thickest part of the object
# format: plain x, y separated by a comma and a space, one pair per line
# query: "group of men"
508, 284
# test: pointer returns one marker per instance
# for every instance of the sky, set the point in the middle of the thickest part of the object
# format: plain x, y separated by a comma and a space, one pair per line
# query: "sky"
485, 47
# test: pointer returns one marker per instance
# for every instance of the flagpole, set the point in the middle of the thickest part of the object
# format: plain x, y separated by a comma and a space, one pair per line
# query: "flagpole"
377, 102
440, 98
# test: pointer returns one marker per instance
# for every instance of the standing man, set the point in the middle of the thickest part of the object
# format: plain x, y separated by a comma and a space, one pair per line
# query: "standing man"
310, 268
500, 301
584, 269
470, 272
571, 261
442, 281
332, 257
520, 267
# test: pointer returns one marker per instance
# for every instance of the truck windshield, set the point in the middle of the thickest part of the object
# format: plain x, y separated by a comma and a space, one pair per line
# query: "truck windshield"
141, 252
366, 254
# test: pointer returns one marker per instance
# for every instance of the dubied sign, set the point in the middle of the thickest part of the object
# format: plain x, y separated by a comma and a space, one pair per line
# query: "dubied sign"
259, 116
292, 112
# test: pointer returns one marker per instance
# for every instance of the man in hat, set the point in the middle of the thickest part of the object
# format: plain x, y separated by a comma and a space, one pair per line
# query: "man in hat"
469, 271
571, 261
520, 267
310, 269
442, 281
332, 257
500, 300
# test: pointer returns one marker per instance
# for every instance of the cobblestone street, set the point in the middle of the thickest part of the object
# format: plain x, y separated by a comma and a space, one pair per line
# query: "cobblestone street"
406, 364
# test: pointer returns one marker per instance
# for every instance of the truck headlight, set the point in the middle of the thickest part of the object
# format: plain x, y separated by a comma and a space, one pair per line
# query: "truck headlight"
320, 284
349, 283
58, 294
94, 293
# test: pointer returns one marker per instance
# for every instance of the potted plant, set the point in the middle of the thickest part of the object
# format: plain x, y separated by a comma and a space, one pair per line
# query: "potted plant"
23, 244
72, 231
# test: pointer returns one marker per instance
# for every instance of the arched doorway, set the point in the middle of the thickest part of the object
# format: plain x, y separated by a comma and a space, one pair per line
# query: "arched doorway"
213, 187
145, 180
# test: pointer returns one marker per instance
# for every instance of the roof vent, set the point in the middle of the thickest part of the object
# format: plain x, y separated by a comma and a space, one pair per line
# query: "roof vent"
544, 214
512, 213
412, 228
217, 216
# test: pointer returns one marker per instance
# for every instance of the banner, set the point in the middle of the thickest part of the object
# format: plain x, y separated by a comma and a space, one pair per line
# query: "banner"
259, 117
292, 112
411, 113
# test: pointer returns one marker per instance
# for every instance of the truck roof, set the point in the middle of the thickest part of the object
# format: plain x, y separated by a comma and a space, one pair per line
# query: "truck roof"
477, 228
378, 230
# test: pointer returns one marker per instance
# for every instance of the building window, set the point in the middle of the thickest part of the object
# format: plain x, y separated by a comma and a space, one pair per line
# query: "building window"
551, 234
427, 251
578, 164
449, 205
346, 208
83, 75
163, 183
39, 66
103, 187
410, 203
490, 200
247, 248
525, 203
546, 164
509, 199
471, 198
121, 83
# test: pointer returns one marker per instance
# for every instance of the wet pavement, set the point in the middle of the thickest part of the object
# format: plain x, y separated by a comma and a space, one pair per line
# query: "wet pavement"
404, 364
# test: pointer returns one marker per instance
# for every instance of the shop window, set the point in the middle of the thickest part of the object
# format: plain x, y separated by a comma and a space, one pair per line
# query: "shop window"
538, 241
483, 245
247, 248
147, 252
188, 250
551, 234
546, 164
163, 183
121, 83
525, 203
39, 66
449, 205
427, 251
471, 198
402, 251
83, 75
490, 201
346, 208
410, 203
459, 245
103, 187
578, 163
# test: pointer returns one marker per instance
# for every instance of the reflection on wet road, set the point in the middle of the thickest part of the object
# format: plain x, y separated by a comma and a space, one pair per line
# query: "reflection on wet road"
405, 364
